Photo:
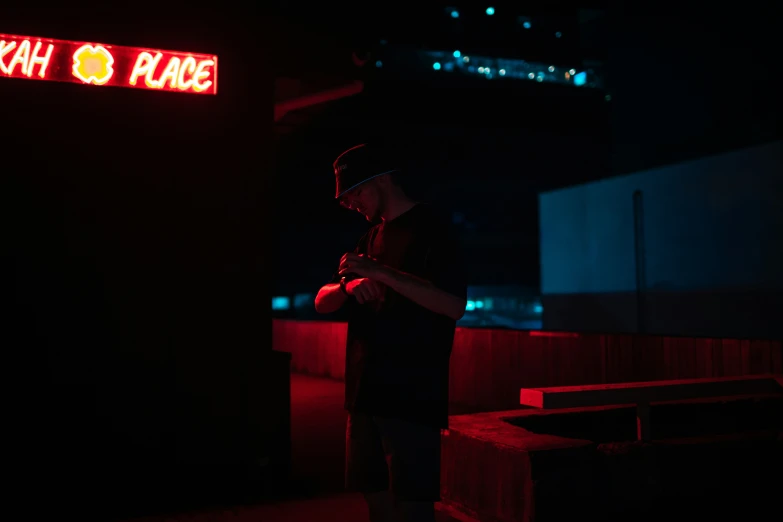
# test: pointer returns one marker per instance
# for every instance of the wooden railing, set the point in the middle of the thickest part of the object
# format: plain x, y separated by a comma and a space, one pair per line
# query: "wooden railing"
488, 367
643, 394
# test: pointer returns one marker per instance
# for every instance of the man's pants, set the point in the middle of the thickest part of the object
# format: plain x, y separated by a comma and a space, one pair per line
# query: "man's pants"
393, 454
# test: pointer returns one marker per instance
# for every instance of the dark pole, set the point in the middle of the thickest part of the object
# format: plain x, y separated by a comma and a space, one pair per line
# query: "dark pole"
639, 254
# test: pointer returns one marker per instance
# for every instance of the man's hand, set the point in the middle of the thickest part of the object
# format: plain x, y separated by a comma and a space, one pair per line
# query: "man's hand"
419, 290
361, 265
365, 290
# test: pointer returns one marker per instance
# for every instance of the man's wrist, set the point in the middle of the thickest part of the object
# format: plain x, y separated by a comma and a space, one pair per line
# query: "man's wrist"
343, 289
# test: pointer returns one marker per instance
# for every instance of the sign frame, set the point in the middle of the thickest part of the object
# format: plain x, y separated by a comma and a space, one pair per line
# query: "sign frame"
96, 64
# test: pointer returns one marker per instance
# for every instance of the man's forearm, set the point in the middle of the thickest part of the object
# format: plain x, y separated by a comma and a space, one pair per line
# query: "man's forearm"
423, 293
330, 298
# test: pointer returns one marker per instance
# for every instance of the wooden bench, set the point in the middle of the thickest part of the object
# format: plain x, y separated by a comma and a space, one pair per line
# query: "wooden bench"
643, 393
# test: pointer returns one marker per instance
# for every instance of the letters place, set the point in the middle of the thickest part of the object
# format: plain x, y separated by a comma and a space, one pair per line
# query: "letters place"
181, 73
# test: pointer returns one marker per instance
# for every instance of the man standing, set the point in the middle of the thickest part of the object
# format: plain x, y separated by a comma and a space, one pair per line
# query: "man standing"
405, 286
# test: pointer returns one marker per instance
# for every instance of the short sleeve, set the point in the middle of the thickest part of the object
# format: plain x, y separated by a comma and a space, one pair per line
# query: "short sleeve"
445, 264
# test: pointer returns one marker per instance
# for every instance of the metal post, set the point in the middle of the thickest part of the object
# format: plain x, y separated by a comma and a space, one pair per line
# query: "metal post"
638, 239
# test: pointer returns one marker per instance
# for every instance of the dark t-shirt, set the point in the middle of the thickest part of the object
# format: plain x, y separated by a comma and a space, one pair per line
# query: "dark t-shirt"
397, 357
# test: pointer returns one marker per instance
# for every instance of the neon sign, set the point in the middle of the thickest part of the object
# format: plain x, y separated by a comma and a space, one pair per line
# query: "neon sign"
106, 65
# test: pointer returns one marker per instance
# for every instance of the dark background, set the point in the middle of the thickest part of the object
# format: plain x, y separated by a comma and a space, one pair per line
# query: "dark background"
682, 84
137, 334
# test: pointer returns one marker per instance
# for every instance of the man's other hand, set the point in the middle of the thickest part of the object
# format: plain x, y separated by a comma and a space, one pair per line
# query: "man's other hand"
361, 265
365, 290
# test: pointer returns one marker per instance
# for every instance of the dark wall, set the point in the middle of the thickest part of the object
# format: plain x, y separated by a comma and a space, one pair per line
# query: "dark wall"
489, 366
137, 231
704, 248
691, 81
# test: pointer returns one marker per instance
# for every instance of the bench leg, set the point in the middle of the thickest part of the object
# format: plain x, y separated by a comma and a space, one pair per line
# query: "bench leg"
643, 421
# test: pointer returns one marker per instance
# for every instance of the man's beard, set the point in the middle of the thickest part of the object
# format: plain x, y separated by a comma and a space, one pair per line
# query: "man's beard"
374, 218
378, 212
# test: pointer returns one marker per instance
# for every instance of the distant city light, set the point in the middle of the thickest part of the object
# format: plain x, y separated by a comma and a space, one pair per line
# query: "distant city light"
489, 67
281, 303
303, 300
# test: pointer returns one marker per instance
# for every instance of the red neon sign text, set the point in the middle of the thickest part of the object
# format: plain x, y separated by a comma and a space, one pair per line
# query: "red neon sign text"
110, 65
177, 74
24, 57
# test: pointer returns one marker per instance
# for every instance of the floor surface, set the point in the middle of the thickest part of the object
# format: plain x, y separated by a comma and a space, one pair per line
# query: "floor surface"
318, 456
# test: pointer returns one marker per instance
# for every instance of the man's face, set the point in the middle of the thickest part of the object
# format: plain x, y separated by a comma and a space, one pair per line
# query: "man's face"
366, 199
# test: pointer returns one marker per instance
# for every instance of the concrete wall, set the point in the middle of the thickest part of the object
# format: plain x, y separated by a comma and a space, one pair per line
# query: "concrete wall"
713, 249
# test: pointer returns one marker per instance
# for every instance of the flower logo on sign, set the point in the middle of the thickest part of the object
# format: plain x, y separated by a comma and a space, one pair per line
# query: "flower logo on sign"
93, 64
